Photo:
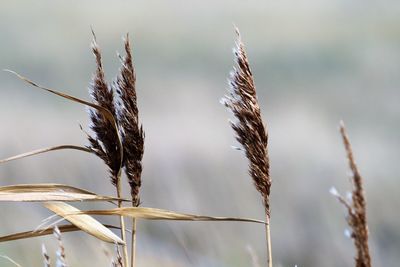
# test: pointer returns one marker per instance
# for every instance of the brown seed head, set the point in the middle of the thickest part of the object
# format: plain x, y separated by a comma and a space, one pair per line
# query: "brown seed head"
128, 119
61, 262
357, 212
249, 127
105, 139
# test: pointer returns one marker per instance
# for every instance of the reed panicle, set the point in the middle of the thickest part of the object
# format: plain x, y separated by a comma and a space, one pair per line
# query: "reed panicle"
117, 262
132, 133
249, 127
46, 257
356, 208
61, 262
104, 143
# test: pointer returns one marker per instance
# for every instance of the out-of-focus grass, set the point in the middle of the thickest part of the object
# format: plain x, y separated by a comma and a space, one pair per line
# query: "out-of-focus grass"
314, 62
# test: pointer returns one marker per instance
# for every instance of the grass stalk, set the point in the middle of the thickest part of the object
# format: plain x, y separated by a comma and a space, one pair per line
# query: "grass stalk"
250, 130
269, 244
133, 243
122, 224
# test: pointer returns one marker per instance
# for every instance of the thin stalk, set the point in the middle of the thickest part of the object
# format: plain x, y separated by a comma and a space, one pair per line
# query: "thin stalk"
122, 224
133, 243
269, 244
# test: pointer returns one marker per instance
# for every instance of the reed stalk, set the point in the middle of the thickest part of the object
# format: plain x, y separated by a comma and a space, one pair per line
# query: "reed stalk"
122, 224
131, 132
250, 130
106, 142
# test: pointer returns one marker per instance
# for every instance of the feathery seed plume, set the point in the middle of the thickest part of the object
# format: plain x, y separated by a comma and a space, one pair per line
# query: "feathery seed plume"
249, 128
132, 133
60, 251
105, 139
356, 208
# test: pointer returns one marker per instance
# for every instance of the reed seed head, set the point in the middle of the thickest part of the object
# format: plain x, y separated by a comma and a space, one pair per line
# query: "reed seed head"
117, 262
357, 212
132, 133
104, 142
249, 128
46, 257
61, 250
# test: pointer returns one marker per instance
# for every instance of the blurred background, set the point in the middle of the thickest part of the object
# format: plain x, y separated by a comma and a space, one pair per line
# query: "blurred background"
314, 62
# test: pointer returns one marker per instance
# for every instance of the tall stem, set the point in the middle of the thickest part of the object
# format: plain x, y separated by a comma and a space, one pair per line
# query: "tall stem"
133, 243
268, 238
122, 223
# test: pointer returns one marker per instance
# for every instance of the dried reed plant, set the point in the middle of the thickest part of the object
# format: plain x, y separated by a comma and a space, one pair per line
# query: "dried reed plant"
105, 142
118, 139
132, 133
356, 207
250, 130
46, 257
61, 262
117, 262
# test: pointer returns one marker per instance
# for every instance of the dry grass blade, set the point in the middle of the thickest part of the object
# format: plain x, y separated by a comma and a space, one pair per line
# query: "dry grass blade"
104, 111
45, 150
357, 211
86, 223
48, 192
44, 231
159, 214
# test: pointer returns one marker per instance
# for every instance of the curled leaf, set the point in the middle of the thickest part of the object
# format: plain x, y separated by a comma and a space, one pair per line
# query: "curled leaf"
45, 150
48, 192
85, 222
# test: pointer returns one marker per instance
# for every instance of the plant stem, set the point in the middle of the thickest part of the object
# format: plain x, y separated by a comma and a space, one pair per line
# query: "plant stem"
268, 237
133, 243
122, 223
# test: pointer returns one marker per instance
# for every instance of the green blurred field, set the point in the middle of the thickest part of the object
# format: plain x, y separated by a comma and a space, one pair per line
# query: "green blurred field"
314, 62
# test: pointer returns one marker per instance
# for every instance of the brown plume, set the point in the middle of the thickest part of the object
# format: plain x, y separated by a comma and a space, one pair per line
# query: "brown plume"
61, 262
357, 217
132, 133
356, 208
249, 128
105, 140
